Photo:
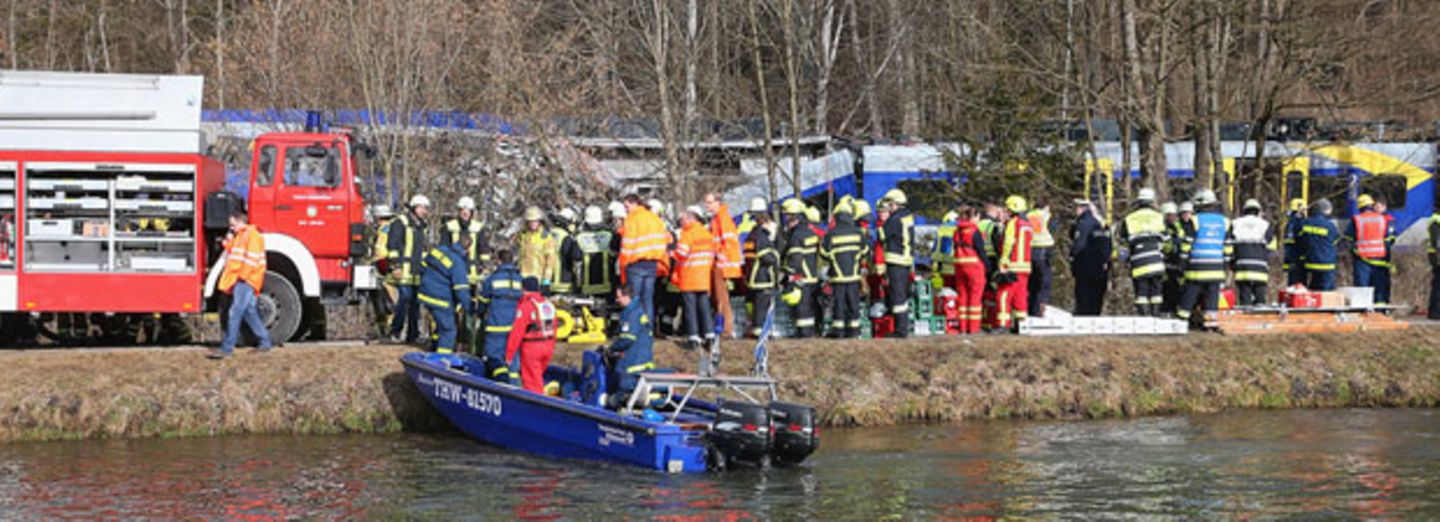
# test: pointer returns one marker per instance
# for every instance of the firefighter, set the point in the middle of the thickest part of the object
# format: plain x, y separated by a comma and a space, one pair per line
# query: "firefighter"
1371, 237
1089, 260
467, 224
818, 299
1432, 251
801, 255
1205, 253
405, 248
1143, 231
1174, 267
1253, 239
1012, 273
942, 255
762, 263
643, 242
531, 342
844, 248
991, 219
1316, 242
499, 296
694, 258
1041, 245
617, 219
538, 249
971, 266
898, 238
1293, 267
567, 252
727, 261
633, 351
597, 261
382, 301
242, 278
444, 286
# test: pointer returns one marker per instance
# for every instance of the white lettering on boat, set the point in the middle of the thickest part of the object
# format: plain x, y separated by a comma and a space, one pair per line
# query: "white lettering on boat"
612, 435
474, 399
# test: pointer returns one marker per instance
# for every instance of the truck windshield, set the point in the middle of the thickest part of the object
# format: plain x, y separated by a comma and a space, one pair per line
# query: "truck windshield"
305, 170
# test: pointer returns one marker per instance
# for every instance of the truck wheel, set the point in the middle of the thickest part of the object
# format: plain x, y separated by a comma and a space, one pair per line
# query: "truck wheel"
279, 306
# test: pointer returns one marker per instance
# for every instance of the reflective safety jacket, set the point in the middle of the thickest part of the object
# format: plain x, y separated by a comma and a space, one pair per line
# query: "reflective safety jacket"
1206, 250
538, 255
379, 253
1371, 237
244, 260
407, 244
1015, 250
694, 257
1175, 233
445, 282
500, 294
1293, 222
844, 248
642, 238
567, 258
970, 247
762, 258
535, 323
898, 236
478, 255
802, 254
942, 257
988, 227
1317, 239
1144, 233
727, 243
634, 344
1040, 227
1253, 239
597, 262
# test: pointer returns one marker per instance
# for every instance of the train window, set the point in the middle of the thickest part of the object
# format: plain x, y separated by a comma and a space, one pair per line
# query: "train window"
266, 173
931, 198
1389, 188
1334, 188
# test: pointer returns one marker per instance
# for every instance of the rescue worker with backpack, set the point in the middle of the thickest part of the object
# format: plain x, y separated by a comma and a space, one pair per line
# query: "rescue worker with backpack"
407, 243
1253, 239
1316, 241
531, 343
1205, 252
499, 297
444, 287
762, 264
971, 266
801, 254
1143, 231
1371, 237
1012, 274
844, 249
898, 238
597, 261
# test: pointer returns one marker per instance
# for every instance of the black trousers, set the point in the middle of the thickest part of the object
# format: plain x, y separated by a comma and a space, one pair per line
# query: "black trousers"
804, 311
1041, 279
1250, 293
1170, 291
760, 301
1090, 295
897, 297
1148, 294
1203, 293
845, 310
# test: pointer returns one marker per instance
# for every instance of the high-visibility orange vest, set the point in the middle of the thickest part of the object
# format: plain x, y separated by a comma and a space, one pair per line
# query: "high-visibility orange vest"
244, 260
1015, 252
694, 259
642, 238
1370, 235
727, 243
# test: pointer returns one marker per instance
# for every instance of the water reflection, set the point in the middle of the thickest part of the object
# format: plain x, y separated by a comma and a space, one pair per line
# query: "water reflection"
1307, 464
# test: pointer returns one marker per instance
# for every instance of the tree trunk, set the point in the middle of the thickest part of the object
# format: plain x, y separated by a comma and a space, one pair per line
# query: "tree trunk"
764, 97
899, 32
658, 43
1200, 123
830, 37
792, 83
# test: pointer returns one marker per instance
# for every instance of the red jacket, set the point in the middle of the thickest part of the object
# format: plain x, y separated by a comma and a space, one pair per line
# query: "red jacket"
535, 324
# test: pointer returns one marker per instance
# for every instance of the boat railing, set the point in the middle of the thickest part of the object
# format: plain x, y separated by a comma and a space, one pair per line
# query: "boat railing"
742, 386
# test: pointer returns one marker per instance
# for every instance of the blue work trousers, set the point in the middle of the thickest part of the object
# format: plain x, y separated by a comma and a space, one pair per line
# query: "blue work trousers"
244, 308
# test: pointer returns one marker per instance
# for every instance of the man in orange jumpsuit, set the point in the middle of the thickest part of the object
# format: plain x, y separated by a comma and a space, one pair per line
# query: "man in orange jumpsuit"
533, 335
971, 266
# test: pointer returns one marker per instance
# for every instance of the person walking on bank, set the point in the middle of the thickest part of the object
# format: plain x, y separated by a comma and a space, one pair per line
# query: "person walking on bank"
531, 343
1432, 251
1174, 265
897, 235
844, 249
971, 267
1042, 275
694, 258
1316, 240
643, 245
444, 286
1089, 260
801, 252
242, 278
727, 261
1291, 264
1143, 231
1371, 237
762, 264
1253, 240
408, 242
1205, 254
500, 295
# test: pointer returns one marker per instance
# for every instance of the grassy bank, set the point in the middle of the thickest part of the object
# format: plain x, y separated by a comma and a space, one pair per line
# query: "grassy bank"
176, 392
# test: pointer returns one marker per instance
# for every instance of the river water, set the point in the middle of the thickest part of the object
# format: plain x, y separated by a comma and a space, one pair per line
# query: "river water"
1249, 464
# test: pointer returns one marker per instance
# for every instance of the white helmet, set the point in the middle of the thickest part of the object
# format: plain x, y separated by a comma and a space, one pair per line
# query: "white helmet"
1146, 194
759, 205
1205, 197
617, 210
466, 203
656, 206
567, 215
698, 211
382, 211
1169, 208
593, 215
419, 200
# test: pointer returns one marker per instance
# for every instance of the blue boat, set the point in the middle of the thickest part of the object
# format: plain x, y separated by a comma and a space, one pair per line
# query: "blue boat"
662, 426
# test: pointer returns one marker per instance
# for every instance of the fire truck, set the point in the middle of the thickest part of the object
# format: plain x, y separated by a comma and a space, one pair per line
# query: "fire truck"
109, 208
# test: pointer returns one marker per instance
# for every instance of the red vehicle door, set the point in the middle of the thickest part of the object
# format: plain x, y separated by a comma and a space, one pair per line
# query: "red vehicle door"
261, 198
313, 199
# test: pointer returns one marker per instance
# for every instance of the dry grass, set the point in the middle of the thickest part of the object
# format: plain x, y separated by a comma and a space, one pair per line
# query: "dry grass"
176, 392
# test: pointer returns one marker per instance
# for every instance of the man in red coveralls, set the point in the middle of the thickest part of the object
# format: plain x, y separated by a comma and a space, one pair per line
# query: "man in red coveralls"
533, 335
971, 267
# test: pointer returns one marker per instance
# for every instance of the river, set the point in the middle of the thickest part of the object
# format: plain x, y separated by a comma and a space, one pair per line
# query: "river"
1244, 464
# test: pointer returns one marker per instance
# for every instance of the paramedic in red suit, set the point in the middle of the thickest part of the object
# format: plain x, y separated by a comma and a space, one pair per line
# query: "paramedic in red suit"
533, 336
971, 266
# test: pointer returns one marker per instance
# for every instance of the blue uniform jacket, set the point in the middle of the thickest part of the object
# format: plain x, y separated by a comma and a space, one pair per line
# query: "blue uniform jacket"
445, 281
635, 345
1316, 241
500, 294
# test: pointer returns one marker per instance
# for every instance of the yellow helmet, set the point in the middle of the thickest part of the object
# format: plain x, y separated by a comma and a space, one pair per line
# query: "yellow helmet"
951, 217
812, 214
1015, 204
1364, 201
533, 214
845, 206
861, 209
896, 196
792, 206
1297, 205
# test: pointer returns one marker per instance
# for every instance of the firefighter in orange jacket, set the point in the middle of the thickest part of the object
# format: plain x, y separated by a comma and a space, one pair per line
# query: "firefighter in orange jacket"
1012, 274
533, 336
694, 260
728, 261
242, 278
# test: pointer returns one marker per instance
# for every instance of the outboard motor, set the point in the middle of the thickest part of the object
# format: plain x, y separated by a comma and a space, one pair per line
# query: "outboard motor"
795, 434
741, 434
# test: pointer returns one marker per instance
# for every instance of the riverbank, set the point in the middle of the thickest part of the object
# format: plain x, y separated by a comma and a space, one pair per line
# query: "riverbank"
170, 392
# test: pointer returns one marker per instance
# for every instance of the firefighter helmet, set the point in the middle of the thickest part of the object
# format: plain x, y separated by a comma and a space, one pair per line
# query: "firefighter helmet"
1015, 203
812, 214
617, 210
792, 206
1205, 197
951, 217
382, 211
1187, 207
896, 196
656, 206
845, 206
567, 215
1252, 204
419, 200
593, 215
533, 214
1146, 194
1297, 205
758, 205
466, 203
1169, 207
1365, 200
862, 209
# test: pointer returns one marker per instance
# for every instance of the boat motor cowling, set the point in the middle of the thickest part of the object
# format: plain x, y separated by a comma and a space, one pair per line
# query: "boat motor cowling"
742, 432
796, 436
